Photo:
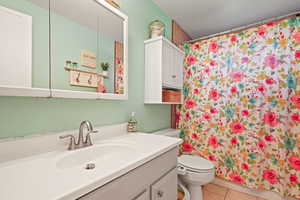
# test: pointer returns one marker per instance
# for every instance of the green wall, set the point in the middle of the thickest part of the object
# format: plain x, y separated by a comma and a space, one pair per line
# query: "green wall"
21, 116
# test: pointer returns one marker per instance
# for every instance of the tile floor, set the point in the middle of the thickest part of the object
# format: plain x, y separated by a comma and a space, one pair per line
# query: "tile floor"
216, 192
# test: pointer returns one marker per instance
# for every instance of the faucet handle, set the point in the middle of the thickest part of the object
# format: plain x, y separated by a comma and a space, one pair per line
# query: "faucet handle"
72, 143
66, 136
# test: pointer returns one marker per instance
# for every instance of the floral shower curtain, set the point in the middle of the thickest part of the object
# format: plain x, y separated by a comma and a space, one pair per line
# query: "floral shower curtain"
242, 105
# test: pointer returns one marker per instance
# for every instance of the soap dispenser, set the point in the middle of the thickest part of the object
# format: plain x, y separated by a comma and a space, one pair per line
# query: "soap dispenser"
132, 123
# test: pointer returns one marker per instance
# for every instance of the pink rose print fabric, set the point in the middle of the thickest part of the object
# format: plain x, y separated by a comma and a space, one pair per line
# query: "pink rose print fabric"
242, 105
119, 77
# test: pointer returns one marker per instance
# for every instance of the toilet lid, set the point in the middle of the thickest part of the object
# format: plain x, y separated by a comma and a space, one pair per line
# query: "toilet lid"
195, 162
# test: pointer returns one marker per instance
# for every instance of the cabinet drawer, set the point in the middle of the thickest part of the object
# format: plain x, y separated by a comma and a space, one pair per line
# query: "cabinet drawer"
166, 187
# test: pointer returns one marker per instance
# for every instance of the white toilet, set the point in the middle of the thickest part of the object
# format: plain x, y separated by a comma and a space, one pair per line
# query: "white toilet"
193, 171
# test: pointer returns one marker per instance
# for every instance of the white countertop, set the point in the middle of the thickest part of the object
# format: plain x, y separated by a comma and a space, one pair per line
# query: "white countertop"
38, 177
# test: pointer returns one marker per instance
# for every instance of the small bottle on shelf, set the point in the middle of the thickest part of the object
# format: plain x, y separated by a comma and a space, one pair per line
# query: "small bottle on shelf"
132, 123
68, 63
74, 65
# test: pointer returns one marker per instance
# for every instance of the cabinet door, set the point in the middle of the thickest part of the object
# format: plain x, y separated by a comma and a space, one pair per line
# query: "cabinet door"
167, 65
145, 195
166, 187
172, 67
178, 69
15, 54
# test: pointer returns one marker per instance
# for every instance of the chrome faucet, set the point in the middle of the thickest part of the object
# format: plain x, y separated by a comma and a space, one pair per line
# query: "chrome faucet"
80, 143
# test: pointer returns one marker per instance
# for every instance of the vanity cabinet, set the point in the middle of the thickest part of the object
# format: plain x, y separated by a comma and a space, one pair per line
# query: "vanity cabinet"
145, 195
163, 69
164, 188
155, 180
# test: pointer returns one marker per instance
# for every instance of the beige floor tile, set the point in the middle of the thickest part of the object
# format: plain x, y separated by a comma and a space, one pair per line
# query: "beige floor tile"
259, 198
212, 196
216, 189
235, 195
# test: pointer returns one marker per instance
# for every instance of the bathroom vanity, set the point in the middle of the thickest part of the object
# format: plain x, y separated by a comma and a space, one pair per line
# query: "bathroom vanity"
125, 167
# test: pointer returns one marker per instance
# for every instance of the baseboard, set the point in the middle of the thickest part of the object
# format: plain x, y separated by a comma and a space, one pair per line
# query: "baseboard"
269, 195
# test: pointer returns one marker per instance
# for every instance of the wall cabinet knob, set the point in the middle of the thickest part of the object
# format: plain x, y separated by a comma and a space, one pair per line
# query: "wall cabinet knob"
174, 76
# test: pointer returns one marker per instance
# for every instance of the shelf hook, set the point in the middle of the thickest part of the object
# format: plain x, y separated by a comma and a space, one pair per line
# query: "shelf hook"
90, 79
77, 79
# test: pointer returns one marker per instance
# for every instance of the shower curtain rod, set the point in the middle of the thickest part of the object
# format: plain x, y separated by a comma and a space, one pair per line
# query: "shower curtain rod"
243, 27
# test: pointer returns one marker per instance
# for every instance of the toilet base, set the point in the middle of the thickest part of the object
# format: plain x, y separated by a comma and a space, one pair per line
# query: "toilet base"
196, 192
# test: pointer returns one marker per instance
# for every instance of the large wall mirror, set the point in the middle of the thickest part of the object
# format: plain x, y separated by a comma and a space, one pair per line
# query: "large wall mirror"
87, 47
80, 44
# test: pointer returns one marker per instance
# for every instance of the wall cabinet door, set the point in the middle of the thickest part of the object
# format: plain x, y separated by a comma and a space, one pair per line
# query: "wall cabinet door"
166, 187
178, 69
172, 64
167, 63
15, 59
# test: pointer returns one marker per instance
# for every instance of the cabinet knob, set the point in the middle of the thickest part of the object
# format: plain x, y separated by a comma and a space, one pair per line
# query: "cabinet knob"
160, 193
174, 76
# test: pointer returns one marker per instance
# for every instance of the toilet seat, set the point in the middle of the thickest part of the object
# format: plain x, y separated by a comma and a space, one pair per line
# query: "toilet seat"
194, 164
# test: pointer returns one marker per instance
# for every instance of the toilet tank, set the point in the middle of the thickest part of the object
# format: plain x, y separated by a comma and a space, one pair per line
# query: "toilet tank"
168, 132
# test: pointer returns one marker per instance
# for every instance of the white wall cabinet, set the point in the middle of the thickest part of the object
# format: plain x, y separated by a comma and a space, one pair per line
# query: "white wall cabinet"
163, 68
155, 180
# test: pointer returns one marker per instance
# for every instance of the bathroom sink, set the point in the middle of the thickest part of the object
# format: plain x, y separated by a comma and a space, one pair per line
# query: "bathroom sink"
94, 154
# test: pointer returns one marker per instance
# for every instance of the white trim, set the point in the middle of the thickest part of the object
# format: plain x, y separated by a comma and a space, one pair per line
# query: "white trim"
166, 103
71, 94
269, 195
109, 7
111, 96
165, 39
56, 93
125, 57
23, 91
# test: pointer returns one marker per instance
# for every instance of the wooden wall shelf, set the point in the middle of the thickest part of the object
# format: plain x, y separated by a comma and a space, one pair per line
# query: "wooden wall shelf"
85, 71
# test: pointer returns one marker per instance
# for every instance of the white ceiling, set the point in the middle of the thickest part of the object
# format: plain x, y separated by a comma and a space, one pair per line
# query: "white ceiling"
204, 17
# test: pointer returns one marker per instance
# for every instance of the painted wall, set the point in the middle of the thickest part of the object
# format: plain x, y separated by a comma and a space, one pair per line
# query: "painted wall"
21, 116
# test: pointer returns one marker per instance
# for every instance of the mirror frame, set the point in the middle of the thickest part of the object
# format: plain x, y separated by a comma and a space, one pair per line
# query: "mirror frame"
57, 93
